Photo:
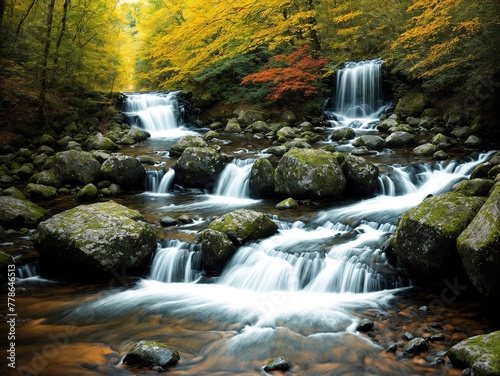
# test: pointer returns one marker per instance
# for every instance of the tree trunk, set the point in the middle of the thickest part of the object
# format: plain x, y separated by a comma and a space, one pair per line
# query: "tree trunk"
45, 61
2, 11
63, 29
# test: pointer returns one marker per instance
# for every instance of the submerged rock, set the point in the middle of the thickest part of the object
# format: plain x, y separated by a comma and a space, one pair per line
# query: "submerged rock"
95, 241
154, 355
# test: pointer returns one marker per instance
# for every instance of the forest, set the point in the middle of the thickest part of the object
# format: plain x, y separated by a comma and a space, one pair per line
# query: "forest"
272, 52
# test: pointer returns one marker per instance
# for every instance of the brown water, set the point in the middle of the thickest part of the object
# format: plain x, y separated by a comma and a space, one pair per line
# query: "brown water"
71, 329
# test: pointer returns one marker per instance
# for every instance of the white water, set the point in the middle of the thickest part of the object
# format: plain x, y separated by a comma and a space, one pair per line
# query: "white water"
358, 90
157, 113
176, 261
234, 179
159, 181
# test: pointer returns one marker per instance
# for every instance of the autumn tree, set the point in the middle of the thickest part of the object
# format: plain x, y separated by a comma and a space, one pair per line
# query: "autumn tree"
297, 72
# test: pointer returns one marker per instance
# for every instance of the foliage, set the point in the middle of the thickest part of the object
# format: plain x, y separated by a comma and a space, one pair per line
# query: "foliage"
296, 72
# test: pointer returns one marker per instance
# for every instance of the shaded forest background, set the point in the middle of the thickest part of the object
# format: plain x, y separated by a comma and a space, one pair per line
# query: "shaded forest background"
281, 53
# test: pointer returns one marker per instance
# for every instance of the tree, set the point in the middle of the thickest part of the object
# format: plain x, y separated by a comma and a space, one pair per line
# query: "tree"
45, 60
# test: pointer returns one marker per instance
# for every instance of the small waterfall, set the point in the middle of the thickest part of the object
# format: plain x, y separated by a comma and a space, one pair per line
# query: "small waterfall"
358, 89
234, 179
176, 261
28, 270
155, 112
159, 181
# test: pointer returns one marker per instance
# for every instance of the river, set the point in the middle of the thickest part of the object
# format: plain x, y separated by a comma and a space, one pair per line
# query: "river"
298, 294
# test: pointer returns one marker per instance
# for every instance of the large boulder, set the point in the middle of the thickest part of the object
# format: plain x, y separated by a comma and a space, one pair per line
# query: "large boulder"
370, 141
18, 213
39, 192
217, 249
309, 173
187, 142
127, 172
95, 241
479, 247
411, 104
261, 181
243, 226
76, 167
361, 175
198, 167
479, 353
426, 236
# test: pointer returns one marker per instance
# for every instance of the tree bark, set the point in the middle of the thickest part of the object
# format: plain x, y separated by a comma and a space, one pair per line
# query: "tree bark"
45, 61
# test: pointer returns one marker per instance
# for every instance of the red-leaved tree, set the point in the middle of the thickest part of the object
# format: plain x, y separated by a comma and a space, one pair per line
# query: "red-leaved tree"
296, 72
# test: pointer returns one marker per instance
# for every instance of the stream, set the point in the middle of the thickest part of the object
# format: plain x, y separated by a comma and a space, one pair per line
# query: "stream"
298, 294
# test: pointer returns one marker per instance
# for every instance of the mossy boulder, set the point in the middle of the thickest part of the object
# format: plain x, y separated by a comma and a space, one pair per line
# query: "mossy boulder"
198, 167
187, 142
479, 247
479, 353
309, 173
126, 171
76, 167
154, 355
370, 141
138, 134
261, 181
39, 192
88, 193
101, 142
287, 204
426, 236
46, 177
217, 249
473, 187
95, 241
243, 226
232, 126
18, 213
411, 104
345, 133
361, 176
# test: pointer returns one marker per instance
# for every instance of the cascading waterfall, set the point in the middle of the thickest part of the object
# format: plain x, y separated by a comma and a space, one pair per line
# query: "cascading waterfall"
158, 113
358, 91
159, 181
234, 179
176, 261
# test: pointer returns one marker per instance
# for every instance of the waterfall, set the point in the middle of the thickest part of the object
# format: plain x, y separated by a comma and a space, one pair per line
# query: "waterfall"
358, 92
158, 113
234, 179
176, 261
159, 181
28, 270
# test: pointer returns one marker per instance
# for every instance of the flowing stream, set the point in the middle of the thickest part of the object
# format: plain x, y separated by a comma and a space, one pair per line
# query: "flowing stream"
298, 294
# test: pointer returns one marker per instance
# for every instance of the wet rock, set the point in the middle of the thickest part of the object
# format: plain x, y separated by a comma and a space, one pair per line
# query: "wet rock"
473, 187
138, 134
427, 149
361, 175
217, 249
243, 226
277, 364
88, 193
473, 141
479, 247
411, 104
17, 213
154, 355
440, 155
38, 192
309, 173
287, 204
370, 141
426, 236
436, 337
479, 353
101, 142
365, 325
261, 181
169, 222
186, 142
93, 241
76, 167
343, 133
416, 345
198, 167
127, 172
46, 177
400, 138
232, 126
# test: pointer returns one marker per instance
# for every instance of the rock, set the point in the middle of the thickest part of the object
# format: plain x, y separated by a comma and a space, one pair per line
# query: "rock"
473, 141
243, 226
309, 173
46, 177
480, 353
198, 167
462, 132
5, 261
250, 116
127, 172
361, 176
37, 192
261, 181
169, 222
400, 138
88, 193
16, 213
138, 134
286, 133
277, 364
426, 236
217, 249
365, 325
186, 142
343, 133
440, 155
411, 104
100, 142
370, 141
479, 247
95, 241
427, 149
76, 167
288, 117
473, 187
154, 355
14, 192
287, 204
258, 127
416, 345
232, 126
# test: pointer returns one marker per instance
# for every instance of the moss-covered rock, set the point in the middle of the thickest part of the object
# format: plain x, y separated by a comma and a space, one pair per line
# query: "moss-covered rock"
88, 193
479, 353
426, 236
217, 249
101, 142
243, 226
361, 176
287, 204
309, 173
38, 192
411, 104
187, 142
94, 241
76, 167
17, 213
479, 247
370, 141
473, 187
261, 181
198, 167
123, 170
154, 355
